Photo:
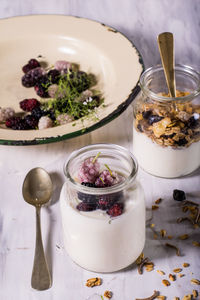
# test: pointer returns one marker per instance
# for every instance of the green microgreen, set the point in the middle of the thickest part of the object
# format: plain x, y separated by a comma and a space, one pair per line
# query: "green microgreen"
102, 298
95, 158
102, 180
108, 169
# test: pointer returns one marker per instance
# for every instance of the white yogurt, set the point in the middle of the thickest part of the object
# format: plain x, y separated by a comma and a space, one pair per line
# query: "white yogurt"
99, 243
165, 161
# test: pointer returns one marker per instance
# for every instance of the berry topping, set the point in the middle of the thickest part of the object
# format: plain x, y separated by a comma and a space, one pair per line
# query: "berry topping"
62, 65
31, 121
32, 64
83, 206
17, 123
108, 178
89, 170
32, 77
53, 76
179, 195
116, 209
29, 104
154, 118
6, 113
45, 122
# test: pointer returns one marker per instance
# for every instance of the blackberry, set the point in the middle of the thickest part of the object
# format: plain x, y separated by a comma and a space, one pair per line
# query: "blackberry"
179, 195
83, 206
89, 184
37, 112
53, 76
116, 209
139, 127
41, 91
33, 63
31, 121
192, 122
32, 77
154, 118
27, 80
181, 142
29, 104
106, 201
17, 123
146, 114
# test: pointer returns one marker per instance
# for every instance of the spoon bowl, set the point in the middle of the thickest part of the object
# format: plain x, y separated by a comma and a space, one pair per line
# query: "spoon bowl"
37, 190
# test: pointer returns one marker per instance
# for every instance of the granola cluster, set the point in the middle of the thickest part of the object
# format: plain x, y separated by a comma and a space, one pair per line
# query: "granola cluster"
169, 124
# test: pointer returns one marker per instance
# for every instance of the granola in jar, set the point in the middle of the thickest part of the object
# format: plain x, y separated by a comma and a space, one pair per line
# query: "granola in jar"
166, 134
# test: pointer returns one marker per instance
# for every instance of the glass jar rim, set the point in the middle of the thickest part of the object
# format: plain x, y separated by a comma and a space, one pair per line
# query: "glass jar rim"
178, 67
106, 190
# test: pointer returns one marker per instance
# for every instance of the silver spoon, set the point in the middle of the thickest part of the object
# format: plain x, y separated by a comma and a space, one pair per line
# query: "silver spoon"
166, 48
37, 190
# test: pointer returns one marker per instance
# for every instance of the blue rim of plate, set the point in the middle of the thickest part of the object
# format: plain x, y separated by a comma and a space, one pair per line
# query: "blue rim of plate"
119, 110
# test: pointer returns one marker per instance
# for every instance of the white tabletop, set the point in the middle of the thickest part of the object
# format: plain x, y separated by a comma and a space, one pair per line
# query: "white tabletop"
141, 21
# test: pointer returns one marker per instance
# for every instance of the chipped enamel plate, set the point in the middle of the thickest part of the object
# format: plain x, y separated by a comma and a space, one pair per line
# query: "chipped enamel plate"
97, 48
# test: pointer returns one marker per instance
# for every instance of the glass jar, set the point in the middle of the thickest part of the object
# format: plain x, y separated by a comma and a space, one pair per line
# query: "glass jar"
94, 239
166, 131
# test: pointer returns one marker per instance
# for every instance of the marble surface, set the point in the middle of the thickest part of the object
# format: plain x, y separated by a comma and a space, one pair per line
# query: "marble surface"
141, 21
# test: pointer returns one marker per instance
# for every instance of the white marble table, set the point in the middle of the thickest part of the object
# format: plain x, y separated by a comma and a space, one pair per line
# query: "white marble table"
141, 21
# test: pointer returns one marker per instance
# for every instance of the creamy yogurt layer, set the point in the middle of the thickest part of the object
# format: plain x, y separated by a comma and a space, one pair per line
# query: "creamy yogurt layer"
165, 161
99, 243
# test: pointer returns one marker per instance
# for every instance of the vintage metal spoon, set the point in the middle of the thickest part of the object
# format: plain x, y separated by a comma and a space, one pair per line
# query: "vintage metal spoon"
37, 190
166, 48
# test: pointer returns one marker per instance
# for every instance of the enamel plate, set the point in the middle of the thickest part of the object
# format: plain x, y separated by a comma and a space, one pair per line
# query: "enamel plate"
95, 47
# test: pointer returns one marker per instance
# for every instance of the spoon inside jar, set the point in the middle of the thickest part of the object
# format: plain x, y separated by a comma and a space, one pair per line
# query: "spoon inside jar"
166, 48
37, 190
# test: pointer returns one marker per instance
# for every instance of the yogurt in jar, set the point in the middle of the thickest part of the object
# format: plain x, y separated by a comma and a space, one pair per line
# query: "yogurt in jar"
96, 240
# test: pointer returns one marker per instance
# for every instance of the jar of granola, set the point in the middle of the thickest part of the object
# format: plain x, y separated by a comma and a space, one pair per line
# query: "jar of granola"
102, 208
166, 131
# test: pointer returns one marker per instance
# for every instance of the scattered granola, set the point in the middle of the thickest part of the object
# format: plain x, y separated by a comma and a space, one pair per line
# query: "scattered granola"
161, 297
152, 225
186, 265
140, 258
174, 247
183, 237
141, 265
181, 275
176, 298
108, 294
160, 272
187, 297
158, 201
195, 281
166, 282
163, 232
154, 207
196, 244
177, 270
172, 277
195, 293
181, 219
155, 295
149, 266
169, 237
93, 282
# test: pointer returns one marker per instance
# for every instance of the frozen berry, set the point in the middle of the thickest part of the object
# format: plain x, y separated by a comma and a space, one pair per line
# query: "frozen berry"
45, 122
181, 142
192, 122
83, 206
37, 112
116, 209
27, 80
146, 114
6, 113
179, 195
31, 121
89, 170
154, 118
108, 178
32, 77
17, 123
64, 119
104, 202
29, 104
10, 122
88, 184
62, 65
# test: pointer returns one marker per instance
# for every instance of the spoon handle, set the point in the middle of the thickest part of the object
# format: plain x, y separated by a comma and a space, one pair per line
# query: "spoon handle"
166, 48
41, 279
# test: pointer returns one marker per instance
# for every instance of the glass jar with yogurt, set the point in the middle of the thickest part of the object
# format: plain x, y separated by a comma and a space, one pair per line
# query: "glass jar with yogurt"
166, 131
102, 208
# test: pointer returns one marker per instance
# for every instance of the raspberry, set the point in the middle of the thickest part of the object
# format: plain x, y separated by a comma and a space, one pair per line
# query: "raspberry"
106, 179
29, 104
89, 170
83, 206
116, 209
179, 195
